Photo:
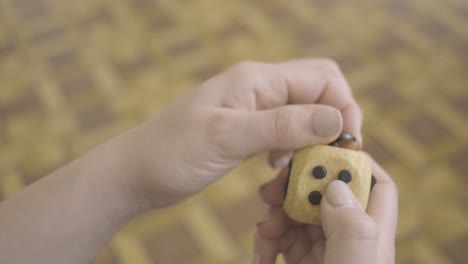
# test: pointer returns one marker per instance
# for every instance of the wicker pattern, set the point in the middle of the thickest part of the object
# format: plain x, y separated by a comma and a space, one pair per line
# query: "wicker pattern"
75, 73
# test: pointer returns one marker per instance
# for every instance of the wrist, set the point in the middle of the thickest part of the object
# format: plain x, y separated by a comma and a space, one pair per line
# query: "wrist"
123, 172
138, 160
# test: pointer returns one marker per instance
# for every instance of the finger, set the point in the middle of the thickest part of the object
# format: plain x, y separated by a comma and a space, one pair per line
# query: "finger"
299, 248
272, 193
269, 232
290, 236
265, 250
312, 252
285, 128
266, 86
315, 233
331, 88
280, 159
383, 203
351, 234
317, 238
275, 226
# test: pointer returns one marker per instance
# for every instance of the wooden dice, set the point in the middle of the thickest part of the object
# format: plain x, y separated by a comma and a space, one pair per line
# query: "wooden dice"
311, 171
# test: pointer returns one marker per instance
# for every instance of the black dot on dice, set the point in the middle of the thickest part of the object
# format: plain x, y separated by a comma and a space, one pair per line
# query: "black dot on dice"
319, 172
345, 176
315, 197
373, 181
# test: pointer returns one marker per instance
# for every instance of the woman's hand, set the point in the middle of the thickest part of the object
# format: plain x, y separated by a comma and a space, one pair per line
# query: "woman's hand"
348, 235
250, 108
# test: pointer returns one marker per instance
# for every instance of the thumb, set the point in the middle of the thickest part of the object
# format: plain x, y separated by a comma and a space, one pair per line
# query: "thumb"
289, 127
351, 234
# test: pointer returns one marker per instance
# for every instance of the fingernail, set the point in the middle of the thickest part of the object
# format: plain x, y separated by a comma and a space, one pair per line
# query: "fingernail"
282, 162
327, 122
256, 259
339, 195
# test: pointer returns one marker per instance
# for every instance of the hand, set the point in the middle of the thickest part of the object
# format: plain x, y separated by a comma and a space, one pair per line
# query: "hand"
348, 234
250, 108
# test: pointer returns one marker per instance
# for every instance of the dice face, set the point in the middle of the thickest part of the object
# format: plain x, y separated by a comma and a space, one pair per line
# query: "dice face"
311, 171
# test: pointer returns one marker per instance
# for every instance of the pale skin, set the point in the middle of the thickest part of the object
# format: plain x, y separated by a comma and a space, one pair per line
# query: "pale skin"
69, 215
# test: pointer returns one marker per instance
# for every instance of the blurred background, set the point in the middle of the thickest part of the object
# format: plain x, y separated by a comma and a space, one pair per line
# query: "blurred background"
74, 74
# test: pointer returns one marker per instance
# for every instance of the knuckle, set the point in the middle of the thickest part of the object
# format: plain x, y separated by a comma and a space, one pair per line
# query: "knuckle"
283, 125
330, 67
248, 75
247, 71
246, 67
330, 63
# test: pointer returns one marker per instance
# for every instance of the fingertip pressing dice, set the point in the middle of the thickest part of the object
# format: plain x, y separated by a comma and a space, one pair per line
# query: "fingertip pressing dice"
313, 168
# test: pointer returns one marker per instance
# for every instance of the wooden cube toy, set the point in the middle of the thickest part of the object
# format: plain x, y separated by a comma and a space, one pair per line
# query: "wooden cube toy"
313, 168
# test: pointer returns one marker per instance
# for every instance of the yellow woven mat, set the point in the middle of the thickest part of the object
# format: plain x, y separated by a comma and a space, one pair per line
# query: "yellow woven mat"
75, 73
